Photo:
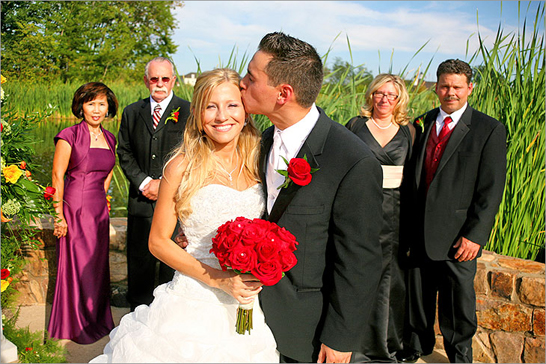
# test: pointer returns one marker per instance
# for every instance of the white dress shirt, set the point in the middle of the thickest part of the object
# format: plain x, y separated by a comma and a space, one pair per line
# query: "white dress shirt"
455, 117
293, 138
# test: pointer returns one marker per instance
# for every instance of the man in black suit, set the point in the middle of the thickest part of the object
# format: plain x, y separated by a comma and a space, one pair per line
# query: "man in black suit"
458, 183
318, 310
149, 130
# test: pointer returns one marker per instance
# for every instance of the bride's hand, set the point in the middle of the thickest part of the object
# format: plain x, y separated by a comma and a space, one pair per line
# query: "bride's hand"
243, 287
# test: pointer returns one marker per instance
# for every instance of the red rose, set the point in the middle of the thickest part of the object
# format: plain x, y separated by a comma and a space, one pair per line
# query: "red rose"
269, 273
5, 273
49, 192
287, 239
242, 258
238, 225
253, 233
175, 116
288, 260
267, 250
299, 171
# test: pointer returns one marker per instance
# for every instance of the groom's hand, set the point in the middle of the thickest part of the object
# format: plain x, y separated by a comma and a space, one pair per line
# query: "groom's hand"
328, 355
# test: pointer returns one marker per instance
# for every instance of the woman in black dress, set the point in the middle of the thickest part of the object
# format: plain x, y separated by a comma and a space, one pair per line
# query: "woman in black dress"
383, 126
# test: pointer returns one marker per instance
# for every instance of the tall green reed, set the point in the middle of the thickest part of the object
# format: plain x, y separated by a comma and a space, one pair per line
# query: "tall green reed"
510, 86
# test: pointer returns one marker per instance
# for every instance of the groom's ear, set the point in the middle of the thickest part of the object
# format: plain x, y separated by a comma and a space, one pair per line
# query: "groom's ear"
286, 94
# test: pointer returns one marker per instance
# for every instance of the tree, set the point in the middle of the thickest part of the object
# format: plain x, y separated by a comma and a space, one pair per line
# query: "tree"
344, 74
85, 40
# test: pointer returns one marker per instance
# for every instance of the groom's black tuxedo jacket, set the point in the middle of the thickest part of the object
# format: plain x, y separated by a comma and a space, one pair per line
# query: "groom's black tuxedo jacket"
142, 151
336, 219
466, 191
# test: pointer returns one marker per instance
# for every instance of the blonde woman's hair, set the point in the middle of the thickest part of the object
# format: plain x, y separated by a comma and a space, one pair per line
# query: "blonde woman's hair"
400, 112
198, 149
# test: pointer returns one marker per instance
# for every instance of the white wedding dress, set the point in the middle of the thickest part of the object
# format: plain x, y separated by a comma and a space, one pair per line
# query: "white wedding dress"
189, 321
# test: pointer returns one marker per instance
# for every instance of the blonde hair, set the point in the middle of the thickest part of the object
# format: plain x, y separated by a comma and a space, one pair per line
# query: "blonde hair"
400, 112
198, 149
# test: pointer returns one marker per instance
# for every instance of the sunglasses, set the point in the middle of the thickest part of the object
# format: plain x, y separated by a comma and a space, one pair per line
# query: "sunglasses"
156, 79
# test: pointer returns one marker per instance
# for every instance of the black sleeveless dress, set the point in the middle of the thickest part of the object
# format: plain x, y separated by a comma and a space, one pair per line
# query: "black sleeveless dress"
384, 336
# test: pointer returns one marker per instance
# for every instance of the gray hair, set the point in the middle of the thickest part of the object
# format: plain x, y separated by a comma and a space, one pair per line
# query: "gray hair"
158, 59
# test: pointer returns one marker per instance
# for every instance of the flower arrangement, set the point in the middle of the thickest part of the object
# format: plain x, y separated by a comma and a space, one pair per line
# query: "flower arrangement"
23, 199
173, 116
298, 171
6, 279
256, 246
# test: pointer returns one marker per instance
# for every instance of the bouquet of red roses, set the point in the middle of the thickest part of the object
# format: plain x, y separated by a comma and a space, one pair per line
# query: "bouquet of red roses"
254, 246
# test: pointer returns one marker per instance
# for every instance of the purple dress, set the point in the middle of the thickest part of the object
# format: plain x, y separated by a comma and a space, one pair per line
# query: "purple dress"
81, 304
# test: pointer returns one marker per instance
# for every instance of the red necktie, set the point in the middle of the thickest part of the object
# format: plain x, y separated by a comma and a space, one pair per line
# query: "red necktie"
445, 129
157, 116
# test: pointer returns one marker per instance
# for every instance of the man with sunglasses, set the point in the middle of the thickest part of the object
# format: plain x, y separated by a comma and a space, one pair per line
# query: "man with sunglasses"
149, 130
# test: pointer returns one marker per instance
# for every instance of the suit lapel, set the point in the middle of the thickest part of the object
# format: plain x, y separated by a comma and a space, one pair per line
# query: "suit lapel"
429, 120
458, 134
312, 147
146, 115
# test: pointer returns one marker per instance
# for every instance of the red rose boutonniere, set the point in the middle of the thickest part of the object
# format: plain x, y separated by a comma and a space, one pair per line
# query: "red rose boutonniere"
298, 171
174, 116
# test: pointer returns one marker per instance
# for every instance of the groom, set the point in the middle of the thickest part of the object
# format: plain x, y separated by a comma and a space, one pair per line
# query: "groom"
318, 310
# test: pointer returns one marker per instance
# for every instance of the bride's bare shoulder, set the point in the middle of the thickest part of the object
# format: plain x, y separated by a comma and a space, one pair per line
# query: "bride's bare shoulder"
175, 168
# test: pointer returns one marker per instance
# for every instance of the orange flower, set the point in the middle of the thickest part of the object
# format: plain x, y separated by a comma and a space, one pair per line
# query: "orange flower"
12, 173
4, 219
28, 174
23, 165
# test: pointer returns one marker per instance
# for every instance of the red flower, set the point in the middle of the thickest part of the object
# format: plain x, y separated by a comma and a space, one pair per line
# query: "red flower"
49, 192
269, 273
242, 258
173, 116
244, 245
5, 273
298, 171
28, 349
23, 165
288, 260
255, 246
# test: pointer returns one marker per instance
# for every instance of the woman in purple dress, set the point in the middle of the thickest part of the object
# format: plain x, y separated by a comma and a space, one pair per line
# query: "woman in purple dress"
82, 170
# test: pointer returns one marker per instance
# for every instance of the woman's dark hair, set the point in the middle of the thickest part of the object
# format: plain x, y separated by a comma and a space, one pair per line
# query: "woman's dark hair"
89, 92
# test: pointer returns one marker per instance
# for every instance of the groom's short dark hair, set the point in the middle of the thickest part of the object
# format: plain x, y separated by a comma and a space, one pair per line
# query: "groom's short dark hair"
294, 62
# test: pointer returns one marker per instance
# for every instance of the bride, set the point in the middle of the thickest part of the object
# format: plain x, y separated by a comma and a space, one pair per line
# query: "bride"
210, 179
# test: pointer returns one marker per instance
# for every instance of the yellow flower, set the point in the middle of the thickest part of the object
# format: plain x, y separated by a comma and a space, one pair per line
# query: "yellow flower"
12, 173
5, 284
3, 78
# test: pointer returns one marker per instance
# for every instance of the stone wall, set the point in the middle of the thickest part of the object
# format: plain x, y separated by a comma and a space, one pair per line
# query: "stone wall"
510, 296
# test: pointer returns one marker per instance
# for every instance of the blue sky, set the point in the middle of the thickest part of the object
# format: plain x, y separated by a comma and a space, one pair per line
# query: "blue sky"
376, 30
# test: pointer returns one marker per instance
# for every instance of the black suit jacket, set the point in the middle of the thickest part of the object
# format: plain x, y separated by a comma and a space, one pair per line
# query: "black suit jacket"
142, 151
466, 191
336, 219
